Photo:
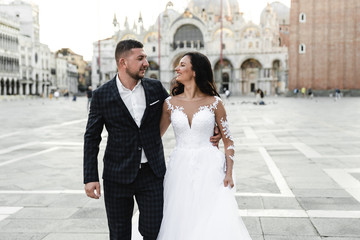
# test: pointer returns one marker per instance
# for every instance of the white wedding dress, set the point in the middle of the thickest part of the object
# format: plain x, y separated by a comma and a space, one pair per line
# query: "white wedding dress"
197, 206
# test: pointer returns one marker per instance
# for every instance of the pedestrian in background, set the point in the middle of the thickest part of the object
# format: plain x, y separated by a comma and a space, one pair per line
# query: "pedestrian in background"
227, 93
310, 93
259, 95
296, 91
303, 91
56, 94
337, 94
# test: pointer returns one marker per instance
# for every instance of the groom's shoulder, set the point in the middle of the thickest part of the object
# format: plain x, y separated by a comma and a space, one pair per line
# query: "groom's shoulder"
106, 86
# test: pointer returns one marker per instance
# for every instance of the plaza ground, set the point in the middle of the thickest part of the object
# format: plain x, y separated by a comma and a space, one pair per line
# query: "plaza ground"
297, 169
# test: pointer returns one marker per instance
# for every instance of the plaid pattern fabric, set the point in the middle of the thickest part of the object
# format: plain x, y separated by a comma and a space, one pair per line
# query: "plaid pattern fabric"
125, 139
119, 202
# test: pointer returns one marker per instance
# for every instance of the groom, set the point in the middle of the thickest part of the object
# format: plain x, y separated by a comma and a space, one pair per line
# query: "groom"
130, 107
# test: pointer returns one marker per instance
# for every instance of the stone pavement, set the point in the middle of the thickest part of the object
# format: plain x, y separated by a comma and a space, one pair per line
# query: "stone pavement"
297, 169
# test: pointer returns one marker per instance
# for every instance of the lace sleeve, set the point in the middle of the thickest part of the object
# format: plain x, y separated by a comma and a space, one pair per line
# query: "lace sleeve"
165, 116
168, 104
222, 122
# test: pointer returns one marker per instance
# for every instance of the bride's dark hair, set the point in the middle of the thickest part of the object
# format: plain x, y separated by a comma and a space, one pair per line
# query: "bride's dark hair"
204, 77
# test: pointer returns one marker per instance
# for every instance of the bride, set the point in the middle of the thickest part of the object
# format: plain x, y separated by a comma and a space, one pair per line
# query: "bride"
198, 201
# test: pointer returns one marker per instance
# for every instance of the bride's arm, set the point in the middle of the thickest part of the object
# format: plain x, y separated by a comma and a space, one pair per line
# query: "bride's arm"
165, 119
221, 120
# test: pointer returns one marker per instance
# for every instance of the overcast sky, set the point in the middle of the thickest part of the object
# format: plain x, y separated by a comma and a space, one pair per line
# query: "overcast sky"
76, 24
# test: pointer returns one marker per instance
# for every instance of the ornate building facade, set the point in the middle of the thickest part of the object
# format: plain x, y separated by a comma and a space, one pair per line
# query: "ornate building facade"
252, 55
9, 54
27, 66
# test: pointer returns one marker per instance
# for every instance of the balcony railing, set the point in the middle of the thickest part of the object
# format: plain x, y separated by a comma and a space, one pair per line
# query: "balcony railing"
189, 44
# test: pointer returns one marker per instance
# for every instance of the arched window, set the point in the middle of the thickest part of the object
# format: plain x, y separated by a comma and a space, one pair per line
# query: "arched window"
188, 33
302, 17
302, 48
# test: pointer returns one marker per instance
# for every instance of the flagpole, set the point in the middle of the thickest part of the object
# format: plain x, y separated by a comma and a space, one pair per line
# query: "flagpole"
221, 43
159, 37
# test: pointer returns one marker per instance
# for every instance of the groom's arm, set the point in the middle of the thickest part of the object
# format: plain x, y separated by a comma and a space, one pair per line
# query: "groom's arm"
215, 139
92, 139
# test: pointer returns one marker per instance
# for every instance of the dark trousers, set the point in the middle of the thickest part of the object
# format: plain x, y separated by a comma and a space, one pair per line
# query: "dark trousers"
119, 202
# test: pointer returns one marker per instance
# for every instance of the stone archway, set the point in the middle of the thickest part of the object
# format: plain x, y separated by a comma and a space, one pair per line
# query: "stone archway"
36, 84
18, 87
43, 86
277, 86
7, 87
223, 75
12, 87
2, 87
250, 75
188, 36
154, 76
153, 70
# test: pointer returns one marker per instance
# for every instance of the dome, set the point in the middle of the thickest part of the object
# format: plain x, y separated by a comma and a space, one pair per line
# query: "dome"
170, 13
281, 10
229, 6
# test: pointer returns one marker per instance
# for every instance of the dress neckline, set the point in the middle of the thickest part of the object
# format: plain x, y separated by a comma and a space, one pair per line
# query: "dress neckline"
211, 107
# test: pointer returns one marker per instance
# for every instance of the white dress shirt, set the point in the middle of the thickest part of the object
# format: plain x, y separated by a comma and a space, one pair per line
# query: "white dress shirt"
135, 102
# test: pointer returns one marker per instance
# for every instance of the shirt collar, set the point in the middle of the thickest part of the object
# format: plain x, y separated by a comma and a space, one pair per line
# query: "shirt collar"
122, 88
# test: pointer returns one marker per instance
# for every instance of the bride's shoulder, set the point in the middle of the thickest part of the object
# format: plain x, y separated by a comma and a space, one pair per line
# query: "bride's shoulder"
172, 102
216, 101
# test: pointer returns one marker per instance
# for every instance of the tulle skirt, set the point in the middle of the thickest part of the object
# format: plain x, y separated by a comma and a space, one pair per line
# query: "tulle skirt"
196, 204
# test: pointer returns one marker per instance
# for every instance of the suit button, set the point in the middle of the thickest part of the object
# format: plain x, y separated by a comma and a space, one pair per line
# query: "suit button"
139, 148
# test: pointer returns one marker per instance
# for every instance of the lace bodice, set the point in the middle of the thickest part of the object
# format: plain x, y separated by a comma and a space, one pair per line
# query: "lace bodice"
193, 131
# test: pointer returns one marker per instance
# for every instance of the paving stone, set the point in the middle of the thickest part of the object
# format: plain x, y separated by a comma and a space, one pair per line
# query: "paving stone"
29, 225
340, 238
89, 213
253, 225
22, 236
329, 203
272, 237
322, 193
337, 227
250, 202
280, 203
77, 236
96, 225
288, 227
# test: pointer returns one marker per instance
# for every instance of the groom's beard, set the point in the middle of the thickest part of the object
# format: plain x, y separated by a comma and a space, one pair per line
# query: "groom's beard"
136, 75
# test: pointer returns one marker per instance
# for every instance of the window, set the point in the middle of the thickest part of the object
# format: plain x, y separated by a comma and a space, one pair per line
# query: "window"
187, 33
302, 48
154, 49
302, 17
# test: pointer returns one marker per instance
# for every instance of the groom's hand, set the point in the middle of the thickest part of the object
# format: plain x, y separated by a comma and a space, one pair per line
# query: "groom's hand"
92, 190
216, 138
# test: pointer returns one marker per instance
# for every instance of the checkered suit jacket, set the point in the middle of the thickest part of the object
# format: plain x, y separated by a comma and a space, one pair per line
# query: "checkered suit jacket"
125, 139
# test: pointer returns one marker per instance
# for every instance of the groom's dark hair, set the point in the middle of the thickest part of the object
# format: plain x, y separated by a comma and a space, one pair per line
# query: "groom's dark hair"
125, 46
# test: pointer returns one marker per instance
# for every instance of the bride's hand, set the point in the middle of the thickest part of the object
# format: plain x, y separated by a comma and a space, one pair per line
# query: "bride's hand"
228, 181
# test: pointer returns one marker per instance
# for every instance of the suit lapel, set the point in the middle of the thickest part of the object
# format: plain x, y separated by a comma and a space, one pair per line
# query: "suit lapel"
146, 90
115, 93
